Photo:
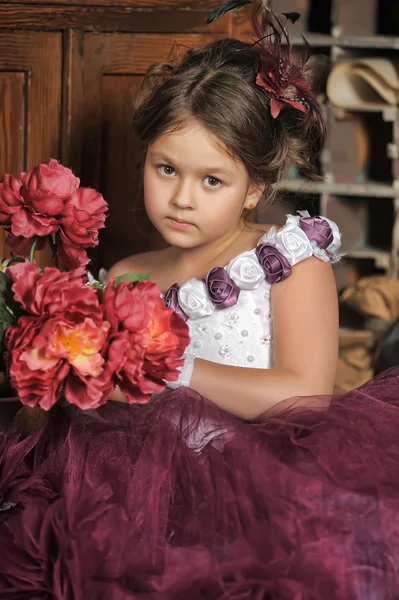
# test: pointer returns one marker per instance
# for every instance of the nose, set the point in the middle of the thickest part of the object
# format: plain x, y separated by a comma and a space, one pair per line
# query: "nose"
183, 196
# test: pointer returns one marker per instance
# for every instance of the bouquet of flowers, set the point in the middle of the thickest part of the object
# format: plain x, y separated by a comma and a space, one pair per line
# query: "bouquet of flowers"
61, 332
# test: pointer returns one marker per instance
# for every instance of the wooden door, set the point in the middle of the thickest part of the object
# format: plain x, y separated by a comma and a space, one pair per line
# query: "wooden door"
30, 104
113, 66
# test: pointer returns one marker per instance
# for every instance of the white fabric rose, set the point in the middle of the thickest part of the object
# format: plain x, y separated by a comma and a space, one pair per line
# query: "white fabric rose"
291, 241
269, 237
246, 271
335, 245
194, 300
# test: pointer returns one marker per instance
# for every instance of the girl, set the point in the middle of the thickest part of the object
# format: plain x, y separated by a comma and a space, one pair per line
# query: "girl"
249, 493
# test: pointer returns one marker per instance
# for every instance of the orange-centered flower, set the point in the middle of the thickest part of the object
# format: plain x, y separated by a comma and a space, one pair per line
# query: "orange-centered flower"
80, 345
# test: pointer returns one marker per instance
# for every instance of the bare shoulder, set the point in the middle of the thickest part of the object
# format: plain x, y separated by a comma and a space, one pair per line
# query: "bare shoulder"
138, 263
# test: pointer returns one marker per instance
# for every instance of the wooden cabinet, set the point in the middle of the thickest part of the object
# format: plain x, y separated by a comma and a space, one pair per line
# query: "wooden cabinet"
30, 102
113, 66
68, 78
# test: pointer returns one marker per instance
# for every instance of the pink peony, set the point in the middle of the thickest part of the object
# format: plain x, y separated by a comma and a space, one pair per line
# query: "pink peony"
43, 192
10, 198
47, 203
147, 342
56, 180
62, 341
83, 216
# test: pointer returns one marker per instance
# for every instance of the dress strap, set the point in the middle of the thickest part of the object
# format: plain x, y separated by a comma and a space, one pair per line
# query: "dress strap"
301, 237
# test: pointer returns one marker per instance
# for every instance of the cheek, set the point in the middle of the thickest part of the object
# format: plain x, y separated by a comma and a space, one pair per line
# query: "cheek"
152, 195
227, 209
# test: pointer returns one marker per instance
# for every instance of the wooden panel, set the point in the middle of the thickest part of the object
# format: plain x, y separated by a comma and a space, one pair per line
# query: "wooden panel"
12, 122
242, 27
143, 4
128, 228
113, 67
12, 128
31, 63
72, 95
107, 19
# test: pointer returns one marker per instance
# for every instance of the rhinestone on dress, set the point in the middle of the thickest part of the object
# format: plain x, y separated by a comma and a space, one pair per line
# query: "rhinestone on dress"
202, 329
218, 336
244, 333
225, 351
250, 358
232, 319
197, 344
266, 338
257, 311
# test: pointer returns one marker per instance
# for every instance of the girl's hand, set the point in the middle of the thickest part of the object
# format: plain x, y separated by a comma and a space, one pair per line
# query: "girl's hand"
117, 395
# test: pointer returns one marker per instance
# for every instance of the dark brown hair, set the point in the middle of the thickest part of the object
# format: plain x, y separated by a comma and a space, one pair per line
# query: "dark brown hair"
216, 85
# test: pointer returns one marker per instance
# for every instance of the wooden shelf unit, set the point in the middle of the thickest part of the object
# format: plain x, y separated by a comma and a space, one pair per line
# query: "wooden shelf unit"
384, 259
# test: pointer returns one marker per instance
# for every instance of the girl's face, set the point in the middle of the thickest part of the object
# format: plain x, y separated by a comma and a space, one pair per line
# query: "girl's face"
194, 191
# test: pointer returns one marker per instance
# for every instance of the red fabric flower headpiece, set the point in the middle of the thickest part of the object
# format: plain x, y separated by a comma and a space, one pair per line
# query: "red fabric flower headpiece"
279, 75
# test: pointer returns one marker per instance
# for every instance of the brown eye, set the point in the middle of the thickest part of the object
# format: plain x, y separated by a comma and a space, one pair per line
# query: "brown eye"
214, 182
166, 169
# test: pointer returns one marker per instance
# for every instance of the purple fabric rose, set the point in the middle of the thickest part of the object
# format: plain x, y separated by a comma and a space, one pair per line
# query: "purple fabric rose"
273, 262
171, 300
221, 289
318, 231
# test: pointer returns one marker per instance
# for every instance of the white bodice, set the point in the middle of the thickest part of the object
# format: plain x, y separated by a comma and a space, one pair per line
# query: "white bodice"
229, 312
241, 335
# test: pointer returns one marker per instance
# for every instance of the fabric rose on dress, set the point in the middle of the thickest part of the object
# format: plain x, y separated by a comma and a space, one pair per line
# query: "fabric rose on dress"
293, 242
147, 339
62, 341
318, 231
222, 290
194, 299
274, 264
334, 247
246, 271
324, 235
171, 300
80, 221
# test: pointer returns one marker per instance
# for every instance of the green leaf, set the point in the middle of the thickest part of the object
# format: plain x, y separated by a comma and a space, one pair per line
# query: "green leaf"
132, 277
4, 285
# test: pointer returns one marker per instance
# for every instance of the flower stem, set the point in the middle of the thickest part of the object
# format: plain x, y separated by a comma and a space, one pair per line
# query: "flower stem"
32, 250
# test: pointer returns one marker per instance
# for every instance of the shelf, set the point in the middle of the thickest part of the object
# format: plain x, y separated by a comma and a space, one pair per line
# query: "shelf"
389, 112
372, 190
381, 258
348, 41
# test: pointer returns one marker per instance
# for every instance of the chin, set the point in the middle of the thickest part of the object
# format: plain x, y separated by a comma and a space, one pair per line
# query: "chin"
179, 241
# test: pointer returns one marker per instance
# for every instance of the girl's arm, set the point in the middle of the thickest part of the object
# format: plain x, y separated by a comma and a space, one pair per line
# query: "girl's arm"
305, 321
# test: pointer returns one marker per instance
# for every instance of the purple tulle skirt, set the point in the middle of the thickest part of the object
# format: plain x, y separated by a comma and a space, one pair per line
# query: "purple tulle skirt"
179, 500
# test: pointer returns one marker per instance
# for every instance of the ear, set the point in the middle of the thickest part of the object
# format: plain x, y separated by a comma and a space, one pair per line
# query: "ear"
254, 194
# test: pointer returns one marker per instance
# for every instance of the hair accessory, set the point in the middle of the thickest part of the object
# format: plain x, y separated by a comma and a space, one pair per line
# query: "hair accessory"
229, 5
226, 7
279, 75
283, 79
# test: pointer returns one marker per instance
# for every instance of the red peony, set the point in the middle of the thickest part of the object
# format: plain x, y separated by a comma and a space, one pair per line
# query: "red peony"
10, 198
62, 342
48, 203
83, 216
147, 339
53, 181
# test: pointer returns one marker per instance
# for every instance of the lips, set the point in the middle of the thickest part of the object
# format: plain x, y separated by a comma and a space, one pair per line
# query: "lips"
181, 221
